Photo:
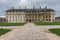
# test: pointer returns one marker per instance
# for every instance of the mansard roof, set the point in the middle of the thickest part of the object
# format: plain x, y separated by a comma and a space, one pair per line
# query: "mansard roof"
30, 10
57, 17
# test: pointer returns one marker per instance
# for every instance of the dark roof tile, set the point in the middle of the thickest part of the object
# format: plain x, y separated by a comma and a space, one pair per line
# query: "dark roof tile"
29, 10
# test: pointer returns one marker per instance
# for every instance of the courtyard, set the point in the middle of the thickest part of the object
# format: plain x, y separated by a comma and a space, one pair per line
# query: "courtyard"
30, 31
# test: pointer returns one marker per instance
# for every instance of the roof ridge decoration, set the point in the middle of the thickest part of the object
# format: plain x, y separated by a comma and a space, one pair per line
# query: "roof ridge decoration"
30, 10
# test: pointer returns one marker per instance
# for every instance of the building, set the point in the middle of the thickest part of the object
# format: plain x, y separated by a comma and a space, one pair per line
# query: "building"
30, 15
2, 19
57, 19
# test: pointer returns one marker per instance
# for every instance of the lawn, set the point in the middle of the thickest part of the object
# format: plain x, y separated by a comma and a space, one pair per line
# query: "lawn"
4, 31
47, 23
12, 24
55, 31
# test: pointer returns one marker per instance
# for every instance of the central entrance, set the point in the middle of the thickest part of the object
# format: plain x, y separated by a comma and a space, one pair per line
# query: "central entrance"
30, 20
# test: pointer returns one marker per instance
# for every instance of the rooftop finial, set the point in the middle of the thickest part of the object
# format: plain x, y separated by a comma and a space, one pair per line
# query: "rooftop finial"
45, 7
25, 7
12, 7
33, 7
19, 7
40, 7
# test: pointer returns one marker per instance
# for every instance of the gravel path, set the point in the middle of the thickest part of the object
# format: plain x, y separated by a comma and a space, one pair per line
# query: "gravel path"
27, 32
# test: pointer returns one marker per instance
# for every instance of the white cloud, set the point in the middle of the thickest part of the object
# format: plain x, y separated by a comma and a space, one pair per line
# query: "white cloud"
3, 1
6, 4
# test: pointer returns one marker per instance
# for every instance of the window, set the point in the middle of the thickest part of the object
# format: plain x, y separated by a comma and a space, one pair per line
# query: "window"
7, 20
10, 20
4, 20
35, 19
38, 19
46, 16
16, 17
1, 19
10, 16
7, 16
13, 18
49, 16
49, 19
52, 19
43, 19
16, 20
43, 16
46, 19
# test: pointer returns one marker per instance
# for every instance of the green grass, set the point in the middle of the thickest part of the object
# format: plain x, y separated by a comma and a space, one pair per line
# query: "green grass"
12, 24
55, 31
4, 31
47, 23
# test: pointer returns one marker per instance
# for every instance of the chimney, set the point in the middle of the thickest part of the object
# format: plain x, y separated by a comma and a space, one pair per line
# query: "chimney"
33, 7
25, 7
40, 7
12, 7
19, 7
45, 7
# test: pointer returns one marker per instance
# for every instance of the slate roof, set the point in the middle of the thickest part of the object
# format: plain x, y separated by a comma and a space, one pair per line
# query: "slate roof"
30, 10
57, 17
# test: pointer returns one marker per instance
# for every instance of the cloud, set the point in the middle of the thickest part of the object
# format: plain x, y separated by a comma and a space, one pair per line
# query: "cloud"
7, 4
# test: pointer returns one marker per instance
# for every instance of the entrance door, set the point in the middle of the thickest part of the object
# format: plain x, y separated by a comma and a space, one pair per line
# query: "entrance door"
29, 20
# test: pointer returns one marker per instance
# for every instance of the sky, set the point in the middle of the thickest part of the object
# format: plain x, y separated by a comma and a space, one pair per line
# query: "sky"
8, 4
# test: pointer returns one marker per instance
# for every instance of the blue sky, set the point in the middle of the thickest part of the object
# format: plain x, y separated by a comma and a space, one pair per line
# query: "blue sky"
7, 4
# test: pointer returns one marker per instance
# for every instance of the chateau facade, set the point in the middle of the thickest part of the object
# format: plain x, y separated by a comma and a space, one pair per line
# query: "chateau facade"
2, 19
30, 15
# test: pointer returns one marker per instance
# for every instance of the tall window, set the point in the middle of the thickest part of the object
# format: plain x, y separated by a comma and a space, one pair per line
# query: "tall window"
49, 19
46, 16
10, 20
52, 19
16, 18
7, 16
13, 18
46, 19
49, 16
38, 19
1, 19
10, 17
43, 19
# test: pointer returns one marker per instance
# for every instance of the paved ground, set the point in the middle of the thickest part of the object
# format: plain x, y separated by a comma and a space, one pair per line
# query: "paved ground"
30, 32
